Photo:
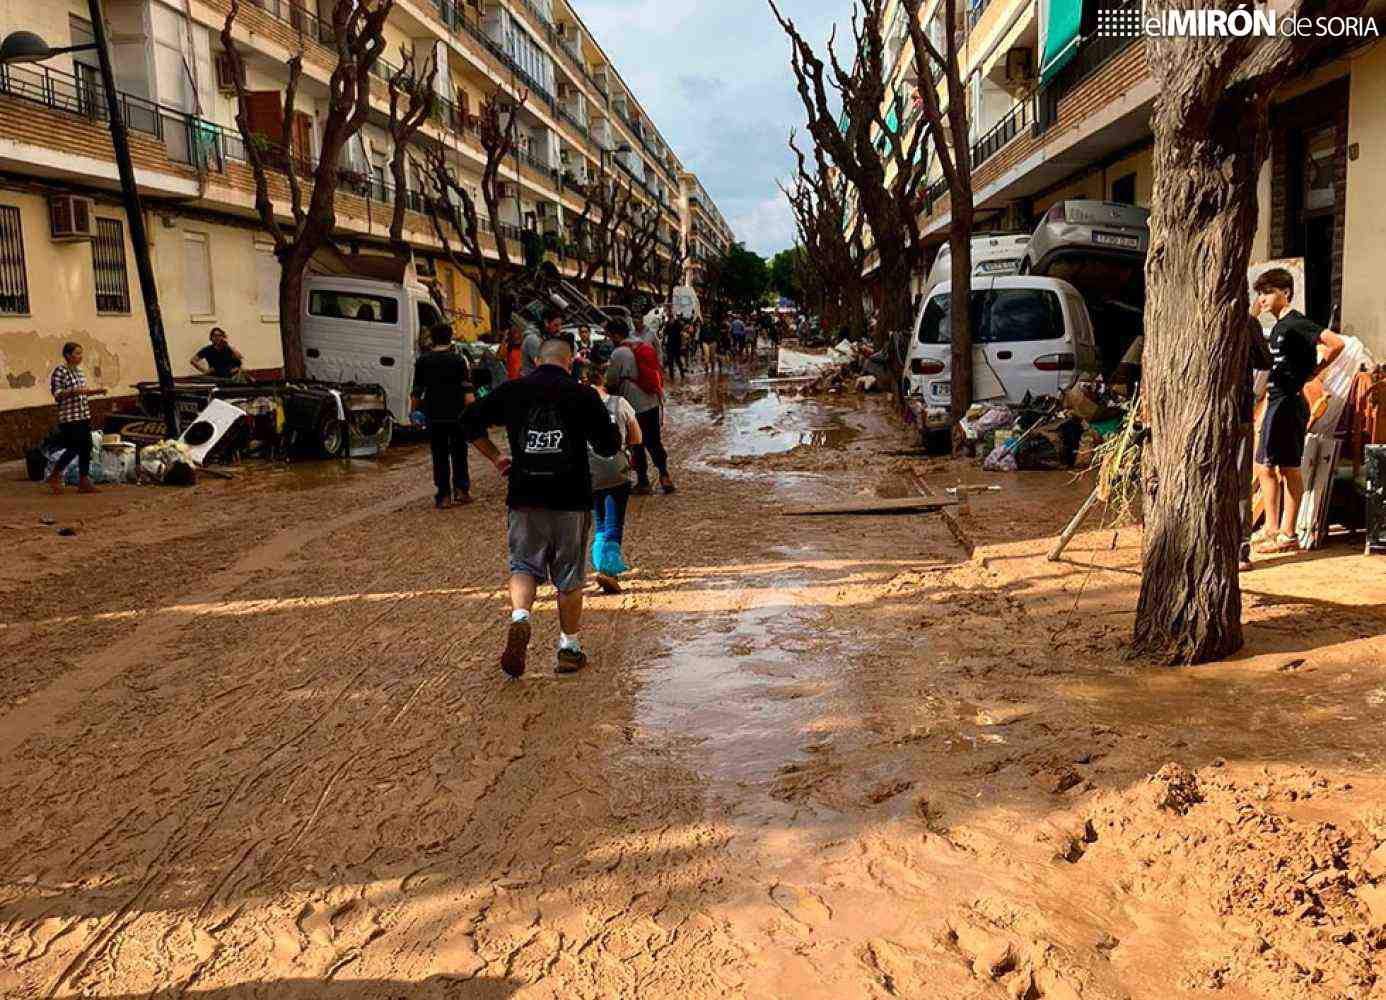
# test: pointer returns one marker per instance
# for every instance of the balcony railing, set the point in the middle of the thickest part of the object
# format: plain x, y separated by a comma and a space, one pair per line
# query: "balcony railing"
299, 18
1016, 121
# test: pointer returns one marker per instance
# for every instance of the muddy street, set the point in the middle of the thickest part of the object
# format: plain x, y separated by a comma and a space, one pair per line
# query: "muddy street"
256, 744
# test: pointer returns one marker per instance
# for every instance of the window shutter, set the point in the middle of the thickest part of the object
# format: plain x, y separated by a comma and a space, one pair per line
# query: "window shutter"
303, 136
265, 111
267, 281
197, 274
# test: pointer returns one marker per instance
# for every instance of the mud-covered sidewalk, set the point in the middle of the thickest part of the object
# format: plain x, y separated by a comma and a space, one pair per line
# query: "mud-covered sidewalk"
254, 743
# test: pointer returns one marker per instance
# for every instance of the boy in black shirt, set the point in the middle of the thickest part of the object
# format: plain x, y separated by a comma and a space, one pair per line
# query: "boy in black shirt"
1294, 346
443, 389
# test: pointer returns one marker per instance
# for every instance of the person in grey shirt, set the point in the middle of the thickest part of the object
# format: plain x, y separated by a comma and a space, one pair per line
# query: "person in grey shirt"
622, 379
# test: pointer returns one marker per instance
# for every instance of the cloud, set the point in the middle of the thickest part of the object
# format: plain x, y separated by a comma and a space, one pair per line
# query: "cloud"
714, 76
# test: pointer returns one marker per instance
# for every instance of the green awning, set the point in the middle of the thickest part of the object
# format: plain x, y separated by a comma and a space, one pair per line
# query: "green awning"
1060, 23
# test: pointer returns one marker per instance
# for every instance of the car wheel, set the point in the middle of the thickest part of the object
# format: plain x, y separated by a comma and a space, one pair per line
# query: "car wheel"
330, 431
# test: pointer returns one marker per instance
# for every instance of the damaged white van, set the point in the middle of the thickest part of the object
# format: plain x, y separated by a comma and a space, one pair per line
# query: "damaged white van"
1030, 335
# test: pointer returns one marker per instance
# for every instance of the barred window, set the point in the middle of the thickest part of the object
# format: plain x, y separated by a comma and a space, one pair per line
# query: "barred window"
108, 266
14, 282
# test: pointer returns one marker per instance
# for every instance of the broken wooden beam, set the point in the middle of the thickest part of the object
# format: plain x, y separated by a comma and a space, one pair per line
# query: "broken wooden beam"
902, 505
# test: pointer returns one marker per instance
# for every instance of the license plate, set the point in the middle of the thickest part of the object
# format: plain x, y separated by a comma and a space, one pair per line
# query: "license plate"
941, 390
1117, 240
998, 267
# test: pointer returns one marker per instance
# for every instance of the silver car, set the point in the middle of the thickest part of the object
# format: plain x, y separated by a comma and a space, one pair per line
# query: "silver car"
1099, 247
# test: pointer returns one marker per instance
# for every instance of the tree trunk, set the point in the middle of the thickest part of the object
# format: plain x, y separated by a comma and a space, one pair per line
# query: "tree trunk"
291, 317
960, 313
1195, 360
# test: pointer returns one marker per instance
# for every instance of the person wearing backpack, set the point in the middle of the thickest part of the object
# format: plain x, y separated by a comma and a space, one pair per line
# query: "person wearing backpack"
553, 423
611, 489
634, 374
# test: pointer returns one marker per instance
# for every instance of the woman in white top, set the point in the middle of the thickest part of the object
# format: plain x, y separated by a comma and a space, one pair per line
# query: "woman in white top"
611, 487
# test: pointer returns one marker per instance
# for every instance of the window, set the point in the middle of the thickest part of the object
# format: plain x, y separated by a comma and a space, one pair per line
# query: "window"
197, 276
429, 316
108, 267
14, 282
267, 281
1124, 189
353, 305
1005, 317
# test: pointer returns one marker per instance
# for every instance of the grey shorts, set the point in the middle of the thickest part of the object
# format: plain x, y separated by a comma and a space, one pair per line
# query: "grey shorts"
551, 545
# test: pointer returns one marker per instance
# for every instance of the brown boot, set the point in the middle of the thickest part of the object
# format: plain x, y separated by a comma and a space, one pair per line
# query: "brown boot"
84, 485
55, 482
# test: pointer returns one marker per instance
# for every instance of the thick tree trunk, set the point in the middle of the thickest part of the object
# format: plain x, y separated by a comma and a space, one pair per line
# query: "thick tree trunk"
1202, 225
291, 316
960, 311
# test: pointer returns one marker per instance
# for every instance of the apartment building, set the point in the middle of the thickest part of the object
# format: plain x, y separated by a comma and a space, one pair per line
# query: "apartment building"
1058, 112
66, 268
705, 232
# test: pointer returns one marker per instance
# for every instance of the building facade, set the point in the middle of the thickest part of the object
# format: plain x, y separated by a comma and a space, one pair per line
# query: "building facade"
706, 234
66, 263
1058, 112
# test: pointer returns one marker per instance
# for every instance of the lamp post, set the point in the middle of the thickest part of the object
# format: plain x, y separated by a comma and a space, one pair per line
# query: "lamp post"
27, 47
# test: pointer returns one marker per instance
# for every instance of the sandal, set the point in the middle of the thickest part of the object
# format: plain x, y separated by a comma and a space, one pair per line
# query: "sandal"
1281, 544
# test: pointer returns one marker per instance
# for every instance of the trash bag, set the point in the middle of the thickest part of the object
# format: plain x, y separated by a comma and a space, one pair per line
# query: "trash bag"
1001, 459
167, 462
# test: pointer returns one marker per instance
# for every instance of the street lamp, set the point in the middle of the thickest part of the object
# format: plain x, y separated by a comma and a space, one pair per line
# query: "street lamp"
27, 47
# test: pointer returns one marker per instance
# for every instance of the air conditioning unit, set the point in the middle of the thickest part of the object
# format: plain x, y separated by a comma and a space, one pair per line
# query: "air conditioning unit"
1020, 66
226, 74
72, 217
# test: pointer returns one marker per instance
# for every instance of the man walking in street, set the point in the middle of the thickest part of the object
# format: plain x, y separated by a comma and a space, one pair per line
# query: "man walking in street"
68, 384
551, 421
634, 374
1294, 346
673, 348
534, 340
442, 390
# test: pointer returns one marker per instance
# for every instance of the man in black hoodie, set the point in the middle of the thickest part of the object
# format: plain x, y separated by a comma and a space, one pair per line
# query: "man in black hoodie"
550, 419
442, 389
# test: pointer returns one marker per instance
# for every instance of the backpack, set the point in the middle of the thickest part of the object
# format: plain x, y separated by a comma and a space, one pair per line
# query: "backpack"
648, 377
615, 470
547, 449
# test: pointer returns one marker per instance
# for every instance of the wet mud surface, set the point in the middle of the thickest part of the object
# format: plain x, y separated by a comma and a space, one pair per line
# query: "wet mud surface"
256, 744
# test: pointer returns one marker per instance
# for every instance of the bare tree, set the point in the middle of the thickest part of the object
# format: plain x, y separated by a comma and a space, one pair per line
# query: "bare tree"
1211, 125
452, 206
357, 38
605, 212
414, 85
887, 183
834, 251
635, 247
947, 130
674, 271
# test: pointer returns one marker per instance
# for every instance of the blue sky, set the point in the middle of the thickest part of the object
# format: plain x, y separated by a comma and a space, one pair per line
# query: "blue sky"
714, 75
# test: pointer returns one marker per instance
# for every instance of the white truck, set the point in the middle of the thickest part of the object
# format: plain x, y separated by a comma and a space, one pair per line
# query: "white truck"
367, 330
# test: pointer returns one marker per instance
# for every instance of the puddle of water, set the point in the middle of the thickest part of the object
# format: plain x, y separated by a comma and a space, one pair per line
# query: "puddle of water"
301, 474
744, 689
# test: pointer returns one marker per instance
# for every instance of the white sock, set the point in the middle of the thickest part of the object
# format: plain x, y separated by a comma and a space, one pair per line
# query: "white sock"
566, 641
519, 615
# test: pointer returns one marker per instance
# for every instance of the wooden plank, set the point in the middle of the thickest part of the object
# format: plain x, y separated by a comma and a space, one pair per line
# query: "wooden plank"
903, 505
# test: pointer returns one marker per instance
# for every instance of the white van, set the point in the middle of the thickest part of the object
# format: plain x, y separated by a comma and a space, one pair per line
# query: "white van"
993, 255
363, 330
1029, 334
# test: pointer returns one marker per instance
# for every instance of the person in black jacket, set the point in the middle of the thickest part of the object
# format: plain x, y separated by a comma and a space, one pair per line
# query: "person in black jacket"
550, 420
442, 389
